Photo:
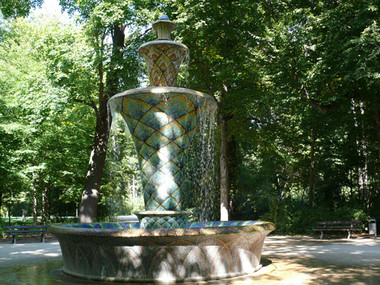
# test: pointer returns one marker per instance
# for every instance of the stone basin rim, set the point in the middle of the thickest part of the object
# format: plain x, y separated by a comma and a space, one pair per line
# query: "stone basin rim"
158, 233
163, 213
161, 90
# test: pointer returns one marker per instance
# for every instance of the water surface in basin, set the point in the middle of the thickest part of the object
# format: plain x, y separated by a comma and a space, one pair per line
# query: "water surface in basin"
135, 225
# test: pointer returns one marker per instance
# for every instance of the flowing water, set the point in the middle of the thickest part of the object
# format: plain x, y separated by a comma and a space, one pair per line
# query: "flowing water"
200, 173
124, 188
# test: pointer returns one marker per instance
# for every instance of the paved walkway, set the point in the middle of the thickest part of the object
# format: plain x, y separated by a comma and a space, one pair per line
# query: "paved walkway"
287, 260
14, 254
304, 260
350, 252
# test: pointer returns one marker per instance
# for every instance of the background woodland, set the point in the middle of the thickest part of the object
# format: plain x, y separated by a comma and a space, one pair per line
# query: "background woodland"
297, 84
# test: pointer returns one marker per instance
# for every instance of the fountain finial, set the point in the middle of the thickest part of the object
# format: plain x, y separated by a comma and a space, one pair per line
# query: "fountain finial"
164, 27
163, 56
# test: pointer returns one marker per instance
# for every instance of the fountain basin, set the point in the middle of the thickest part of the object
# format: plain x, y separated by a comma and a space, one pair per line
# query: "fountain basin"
124, 252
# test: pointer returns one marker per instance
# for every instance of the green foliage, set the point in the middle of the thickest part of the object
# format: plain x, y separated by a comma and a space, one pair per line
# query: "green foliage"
16, 8
297, 83
45, 141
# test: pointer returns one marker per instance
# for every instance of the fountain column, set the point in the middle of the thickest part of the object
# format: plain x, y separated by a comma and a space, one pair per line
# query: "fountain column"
162, 125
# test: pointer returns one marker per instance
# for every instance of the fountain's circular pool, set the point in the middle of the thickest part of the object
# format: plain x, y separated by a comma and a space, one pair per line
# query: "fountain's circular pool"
124, 252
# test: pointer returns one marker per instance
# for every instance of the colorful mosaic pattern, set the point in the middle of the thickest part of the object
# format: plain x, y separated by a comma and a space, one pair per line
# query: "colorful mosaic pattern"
192, 225
162, 127
162, 255
163, 62
163, 222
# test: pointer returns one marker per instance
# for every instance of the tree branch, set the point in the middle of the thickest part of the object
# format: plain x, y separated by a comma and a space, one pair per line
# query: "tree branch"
315, 103
91, 104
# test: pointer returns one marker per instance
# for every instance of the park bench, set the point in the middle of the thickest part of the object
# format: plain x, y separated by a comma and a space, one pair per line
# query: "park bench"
26, 231
348, 226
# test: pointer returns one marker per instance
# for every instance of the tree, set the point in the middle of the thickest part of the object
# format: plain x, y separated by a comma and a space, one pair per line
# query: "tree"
117, 69
18, 8
35, 63
321, 55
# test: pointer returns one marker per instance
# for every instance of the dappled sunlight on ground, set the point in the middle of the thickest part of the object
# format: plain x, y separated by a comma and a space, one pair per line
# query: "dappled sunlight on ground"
302, 271
304, 260
353, 251
12, 254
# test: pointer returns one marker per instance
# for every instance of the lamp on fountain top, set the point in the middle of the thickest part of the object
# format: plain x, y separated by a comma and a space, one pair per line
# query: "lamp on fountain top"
163, 56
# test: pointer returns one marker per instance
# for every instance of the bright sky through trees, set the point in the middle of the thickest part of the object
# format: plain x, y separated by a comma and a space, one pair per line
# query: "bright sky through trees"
51, 7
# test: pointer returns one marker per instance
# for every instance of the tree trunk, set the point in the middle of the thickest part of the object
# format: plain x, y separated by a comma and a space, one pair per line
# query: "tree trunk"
49, 206
232, 165
312, 168
9, 215
34, 198
89, 203
377, 114
44, 205
223, 171
362, 153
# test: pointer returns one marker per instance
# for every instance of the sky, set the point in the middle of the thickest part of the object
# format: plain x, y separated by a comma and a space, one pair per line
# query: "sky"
51, 7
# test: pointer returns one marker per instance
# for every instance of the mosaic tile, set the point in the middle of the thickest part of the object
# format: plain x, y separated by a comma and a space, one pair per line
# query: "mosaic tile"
163, 61
158, 221
162, 134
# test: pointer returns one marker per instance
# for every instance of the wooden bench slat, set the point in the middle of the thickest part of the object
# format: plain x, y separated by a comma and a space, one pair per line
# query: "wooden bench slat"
337, 228
339, 223
26, 227
342, 229
25, 231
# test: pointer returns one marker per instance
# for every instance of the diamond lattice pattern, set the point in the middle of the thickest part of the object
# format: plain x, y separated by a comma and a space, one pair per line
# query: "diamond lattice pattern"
162, 128
163, 61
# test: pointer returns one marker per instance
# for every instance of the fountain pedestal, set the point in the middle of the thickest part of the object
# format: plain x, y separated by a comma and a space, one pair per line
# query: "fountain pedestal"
163, 219
162, 123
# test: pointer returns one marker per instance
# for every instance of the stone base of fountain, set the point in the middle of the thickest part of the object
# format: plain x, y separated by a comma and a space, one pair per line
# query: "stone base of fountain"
124, 252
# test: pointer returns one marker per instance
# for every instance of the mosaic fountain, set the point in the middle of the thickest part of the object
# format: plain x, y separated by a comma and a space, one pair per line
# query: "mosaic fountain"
162, 246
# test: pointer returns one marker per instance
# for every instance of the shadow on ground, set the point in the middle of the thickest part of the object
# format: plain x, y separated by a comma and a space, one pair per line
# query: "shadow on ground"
304, 260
